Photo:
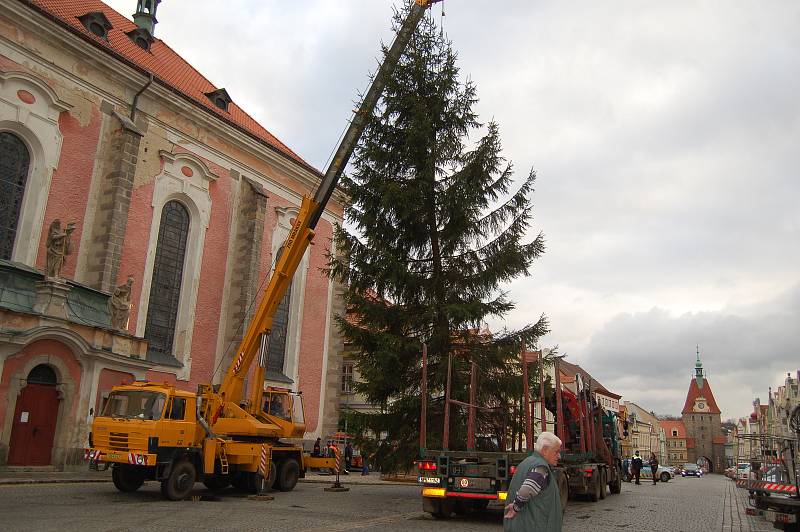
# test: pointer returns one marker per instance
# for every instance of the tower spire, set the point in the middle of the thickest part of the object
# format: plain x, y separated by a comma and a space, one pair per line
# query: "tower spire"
698, 370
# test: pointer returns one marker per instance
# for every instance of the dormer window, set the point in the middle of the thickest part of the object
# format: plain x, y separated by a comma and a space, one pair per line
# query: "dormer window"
219, 98
96, 23
141, 37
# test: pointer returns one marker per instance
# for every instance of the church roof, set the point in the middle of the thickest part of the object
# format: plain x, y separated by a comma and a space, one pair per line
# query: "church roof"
167, 67
694, 392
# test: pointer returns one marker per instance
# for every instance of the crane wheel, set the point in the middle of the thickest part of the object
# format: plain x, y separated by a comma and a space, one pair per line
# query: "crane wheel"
594, 495
127, 478
180, 481
288, 474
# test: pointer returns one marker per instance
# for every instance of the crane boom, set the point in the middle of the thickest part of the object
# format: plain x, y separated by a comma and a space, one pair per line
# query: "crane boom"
302, 232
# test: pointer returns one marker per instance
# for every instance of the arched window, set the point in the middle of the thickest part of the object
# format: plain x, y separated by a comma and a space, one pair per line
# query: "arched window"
276, 353
165, 288
42, 374
14, 162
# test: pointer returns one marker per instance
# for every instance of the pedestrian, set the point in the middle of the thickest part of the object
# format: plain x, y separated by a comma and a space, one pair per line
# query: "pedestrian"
317, 447
653, 466
636, 466
364, 464
536, 503
348, 458
626, 470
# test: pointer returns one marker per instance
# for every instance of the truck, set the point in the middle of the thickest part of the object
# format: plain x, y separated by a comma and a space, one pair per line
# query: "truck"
217, 435
772, 479
478, 477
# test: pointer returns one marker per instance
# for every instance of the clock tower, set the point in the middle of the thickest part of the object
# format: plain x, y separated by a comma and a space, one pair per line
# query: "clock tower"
705, 443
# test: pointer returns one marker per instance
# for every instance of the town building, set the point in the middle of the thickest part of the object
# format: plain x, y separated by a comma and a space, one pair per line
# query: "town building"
646, 433
782, 403
675, 436
702, 418
140, 211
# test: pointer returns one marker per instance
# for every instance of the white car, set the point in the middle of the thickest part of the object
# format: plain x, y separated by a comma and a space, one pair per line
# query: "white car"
743, 471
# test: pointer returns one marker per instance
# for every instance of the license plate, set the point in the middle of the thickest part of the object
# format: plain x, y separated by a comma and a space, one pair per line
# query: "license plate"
779, 517
113, 456
429, 480
469, 483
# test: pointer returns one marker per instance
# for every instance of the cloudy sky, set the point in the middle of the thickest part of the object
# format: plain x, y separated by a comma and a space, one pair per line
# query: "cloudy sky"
666, 138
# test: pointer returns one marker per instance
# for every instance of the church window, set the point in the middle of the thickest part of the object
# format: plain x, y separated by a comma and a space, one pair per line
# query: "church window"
14, 163
276, 353
165, 289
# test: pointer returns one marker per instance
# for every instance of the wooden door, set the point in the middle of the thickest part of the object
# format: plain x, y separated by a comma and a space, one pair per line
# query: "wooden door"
34, 426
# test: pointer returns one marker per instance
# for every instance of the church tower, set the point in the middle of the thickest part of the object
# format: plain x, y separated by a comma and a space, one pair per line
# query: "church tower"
705, 443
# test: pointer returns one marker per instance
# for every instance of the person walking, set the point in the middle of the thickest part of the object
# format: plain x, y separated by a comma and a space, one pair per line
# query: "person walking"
536, 502
348, 458
317, 447
636, 466
653, 466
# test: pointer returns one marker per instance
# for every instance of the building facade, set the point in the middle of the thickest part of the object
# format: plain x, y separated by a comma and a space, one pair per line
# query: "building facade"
702, 419
675, 437
141, 211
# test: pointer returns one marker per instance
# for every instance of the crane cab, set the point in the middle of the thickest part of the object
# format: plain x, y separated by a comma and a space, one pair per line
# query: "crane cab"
284, 408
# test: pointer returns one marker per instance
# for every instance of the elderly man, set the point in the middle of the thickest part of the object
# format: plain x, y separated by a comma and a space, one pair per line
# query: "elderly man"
536, 504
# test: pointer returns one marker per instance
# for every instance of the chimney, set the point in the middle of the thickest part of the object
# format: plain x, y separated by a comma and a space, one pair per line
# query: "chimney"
145, 16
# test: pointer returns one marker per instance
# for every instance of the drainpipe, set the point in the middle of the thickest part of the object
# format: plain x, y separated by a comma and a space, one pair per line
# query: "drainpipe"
136, 97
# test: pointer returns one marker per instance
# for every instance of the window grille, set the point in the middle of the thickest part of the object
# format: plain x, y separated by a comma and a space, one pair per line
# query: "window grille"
14, 163
165, 289
42, 374
276, 352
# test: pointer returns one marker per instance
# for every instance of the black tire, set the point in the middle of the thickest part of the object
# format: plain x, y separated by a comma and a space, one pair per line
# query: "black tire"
615, 486
594, 493
180, 482
664, 477
288, 474
603, 483
563, 491
217, 482
444, 510
264, 485
127, 478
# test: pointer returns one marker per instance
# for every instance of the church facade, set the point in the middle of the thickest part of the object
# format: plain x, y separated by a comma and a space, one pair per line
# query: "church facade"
705, 443
140, 211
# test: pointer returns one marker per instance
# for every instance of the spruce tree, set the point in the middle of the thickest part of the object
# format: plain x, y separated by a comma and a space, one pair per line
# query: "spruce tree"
438, 227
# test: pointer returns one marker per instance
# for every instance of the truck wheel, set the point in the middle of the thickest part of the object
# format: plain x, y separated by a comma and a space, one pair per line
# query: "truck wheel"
594, 487
127, 478
664, 477
563, 491
615, 487
180, 482
603, 483
444, 510
288, 473
264, 485
217, 482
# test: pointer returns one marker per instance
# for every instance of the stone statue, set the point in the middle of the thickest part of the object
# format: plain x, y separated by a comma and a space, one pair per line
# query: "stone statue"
119, 305
58, 247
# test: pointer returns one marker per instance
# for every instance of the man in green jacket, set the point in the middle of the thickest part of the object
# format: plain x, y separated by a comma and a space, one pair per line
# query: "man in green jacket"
535, 501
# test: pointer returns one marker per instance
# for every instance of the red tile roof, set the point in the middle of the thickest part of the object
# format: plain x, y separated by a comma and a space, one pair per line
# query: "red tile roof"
670, 425
695, 392
167, 67
719, 439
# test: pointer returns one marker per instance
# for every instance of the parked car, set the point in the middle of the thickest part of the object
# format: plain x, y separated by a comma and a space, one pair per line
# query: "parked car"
730, 472
691, 470
743, 471
663, 473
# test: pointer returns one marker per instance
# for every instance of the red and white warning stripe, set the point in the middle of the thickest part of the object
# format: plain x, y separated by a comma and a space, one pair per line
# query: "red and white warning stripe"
262, 467
238, 365
766, 486
137, 459
91, 455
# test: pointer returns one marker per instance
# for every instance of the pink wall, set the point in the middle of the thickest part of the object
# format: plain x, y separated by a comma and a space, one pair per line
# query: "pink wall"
71, 183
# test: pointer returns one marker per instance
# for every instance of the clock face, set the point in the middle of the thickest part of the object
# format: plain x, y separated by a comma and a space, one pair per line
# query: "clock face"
701, 405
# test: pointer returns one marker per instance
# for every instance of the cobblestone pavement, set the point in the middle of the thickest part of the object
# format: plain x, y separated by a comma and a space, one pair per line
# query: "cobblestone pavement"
711, 503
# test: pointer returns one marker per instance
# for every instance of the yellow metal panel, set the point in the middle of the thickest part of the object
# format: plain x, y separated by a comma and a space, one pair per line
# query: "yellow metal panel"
433, 492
